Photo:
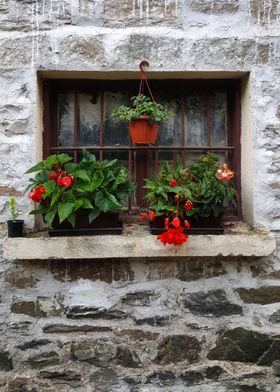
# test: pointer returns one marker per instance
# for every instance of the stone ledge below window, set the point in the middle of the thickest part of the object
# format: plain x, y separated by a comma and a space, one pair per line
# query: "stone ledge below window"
138, 243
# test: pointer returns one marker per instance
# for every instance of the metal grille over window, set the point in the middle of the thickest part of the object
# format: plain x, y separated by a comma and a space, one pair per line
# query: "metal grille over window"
78, 115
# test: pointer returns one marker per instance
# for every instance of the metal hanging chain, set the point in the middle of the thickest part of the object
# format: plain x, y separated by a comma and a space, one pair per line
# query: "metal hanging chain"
144, 79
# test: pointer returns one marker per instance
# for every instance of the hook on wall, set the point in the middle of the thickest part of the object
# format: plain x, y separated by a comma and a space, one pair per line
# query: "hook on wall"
143, 63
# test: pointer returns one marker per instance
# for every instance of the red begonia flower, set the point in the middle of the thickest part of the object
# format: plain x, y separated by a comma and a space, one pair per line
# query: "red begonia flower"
173, 236
37, 194
53, 176
188, 205
143, 216
176, 222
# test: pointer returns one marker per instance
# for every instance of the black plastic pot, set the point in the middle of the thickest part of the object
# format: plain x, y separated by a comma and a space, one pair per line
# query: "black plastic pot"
15, 228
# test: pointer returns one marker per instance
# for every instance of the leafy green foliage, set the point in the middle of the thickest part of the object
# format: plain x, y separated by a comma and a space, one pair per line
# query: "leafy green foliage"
198, 184
142, 105
92, 185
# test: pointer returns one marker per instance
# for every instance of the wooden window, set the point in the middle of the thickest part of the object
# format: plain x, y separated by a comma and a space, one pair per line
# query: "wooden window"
77, 116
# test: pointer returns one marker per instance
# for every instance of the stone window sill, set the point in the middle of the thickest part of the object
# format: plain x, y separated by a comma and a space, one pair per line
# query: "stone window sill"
137, 242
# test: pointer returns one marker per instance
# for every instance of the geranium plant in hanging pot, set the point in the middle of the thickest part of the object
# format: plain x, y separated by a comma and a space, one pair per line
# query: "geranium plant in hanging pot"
144, 115
189, 200
76, 198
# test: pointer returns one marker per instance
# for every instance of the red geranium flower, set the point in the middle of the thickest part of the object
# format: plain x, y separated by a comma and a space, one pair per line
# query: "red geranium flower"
173, 236
187, 224
166, 221
152, 215
172, 183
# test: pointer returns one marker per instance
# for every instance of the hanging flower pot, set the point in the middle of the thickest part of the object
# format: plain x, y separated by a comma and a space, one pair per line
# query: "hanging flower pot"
144, 115
142, 131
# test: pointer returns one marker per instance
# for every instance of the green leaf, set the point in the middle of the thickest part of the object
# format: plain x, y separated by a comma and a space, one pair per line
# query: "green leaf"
49, 217
97, 180
55, 196
34, 212
42, 176
82, 188
106, 201
50, 186
70, 167
81, 174
37, 167
86, 202
64, 210
93, 214
50, 161
78, 204
63, 158
72, 219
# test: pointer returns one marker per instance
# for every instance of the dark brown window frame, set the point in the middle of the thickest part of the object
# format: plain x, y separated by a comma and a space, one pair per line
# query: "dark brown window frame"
231, 86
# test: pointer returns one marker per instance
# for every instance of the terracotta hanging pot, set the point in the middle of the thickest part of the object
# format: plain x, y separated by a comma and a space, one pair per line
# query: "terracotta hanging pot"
142, 131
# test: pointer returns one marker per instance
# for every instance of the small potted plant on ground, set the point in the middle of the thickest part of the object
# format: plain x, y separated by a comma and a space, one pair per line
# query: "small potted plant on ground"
143, 117
15, 226
189, 200
76, 198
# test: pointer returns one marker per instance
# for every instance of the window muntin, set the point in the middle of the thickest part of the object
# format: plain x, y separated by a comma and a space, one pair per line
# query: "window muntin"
206, 118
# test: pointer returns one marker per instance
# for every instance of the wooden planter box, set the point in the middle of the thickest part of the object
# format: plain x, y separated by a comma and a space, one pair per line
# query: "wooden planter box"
203, 226
105, 223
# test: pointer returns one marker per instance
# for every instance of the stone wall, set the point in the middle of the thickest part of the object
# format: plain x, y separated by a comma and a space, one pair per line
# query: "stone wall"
186, 324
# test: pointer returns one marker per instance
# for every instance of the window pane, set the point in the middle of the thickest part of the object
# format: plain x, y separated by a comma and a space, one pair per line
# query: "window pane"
195, 124
115, 130
170, 130
65, 112
89, 120
218, 119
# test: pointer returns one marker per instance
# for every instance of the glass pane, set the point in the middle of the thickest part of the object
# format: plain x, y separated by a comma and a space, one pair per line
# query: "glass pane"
218, 119
65, 113
195, 124
170, 130
89, 119
115, 130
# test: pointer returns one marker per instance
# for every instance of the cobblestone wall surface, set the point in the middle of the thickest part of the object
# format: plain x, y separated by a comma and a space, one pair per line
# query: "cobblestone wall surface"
186, 324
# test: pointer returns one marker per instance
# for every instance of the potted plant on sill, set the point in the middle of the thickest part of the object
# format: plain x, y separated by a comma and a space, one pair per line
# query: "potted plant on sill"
189, 200
143, 117
15, 226
79, 198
